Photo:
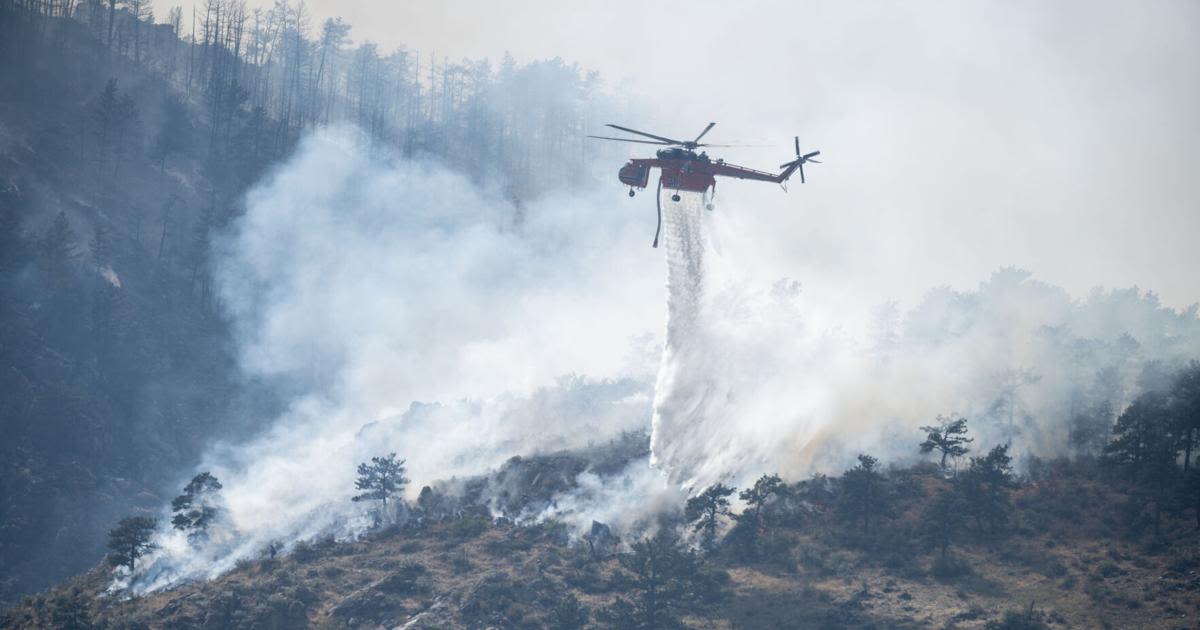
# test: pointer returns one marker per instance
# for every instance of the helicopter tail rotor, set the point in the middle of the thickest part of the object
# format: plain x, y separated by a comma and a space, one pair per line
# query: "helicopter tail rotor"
801, 159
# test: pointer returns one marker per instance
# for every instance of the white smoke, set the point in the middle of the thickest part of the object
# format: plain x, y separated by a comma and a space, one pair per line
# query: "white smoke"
407, 309
750, 385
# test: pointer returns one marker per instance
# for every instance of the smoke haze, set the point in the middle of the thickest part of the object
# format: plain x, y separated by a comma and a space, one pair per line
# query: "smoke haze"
407, 310
959, 140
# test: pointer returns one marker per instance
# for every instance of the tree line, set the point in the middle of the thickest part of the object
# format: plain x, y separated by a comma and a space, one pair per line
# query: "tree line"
520, 126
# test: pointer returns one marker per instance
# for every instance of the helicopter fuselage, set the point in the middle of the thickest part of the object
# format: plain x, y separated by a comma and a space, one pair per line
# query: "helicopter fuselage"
684, 169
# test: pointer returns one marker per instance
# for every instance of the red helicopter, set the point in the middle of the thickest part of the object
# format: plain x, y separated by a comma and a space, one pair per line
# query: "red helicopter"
684, 169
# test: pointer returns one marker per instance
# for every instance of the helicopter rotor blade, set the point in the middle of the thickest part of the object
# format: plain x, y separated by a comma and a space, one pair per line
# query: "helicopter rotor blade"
710, 126
809, 156
797, 138
643, 133
802, 172
629, 140
732, 145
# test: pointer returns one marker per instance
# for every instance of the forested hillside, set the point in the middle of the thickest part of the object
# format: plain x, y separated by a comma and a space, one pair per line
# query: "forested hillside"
126, 143
957, 541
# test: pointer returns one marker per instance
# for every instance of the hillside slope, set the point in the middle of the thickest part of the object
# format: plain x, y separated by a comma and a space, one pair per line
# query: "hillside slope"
1068, 561
117, 368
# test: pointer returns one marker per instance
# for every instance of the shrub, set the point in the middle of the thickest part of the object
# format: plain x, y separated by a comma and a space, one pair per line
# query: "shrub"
568, 614
469, 528
1028, 619
949, 566
459, 562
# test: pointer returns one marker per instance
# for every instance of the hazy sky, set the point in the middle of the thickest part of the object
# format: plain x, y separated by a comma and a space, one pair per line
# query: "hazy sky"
959, 136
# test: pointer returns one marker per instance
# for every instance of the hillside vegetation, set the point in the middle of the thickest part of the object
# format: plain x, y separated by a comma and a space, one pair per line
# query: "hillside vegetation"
1073, 554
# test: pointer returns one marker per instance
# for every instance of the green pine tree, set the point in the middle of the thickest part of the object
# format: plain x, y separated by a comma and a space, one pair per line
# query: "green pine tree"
130, 540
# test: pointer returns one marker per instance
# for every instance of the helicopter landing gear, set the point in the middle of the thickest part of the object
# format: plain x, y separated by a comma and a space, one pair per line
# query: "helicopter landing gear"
630, 192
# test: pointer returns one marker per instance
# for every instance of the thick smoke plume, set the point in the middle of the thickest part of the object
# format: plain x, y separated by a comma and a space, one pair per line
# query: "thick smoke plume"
402, 308
749, 385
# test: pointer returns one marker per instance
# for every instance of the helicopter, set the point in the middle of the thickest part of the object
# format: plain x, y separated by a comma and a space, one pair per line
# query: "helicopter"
682, 169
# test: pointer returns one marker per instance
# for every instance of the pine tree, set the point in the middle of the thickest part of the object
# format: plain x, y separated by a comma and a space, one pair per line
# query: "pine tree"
1185, 410
57, 250
1144, 449
381, 479
130, 540
70, 609
1190, 493
665, 577
1142, 437
984, 487
943, 519
766, 487
176, 134
1009, 400
864, 496
196, 508
948, 436
125, 128
1091, 428
705, 511
14, 251
106, 113
101, 246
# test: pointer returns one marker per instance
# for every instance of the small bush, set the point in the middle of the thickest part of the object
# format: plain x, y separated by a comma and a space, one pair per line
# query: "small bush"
332, 572
777, 551
1028, 619
305, 552
814, 557
1111, 570
971, 614
568, 614
459, 562
949, 567
469, 528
